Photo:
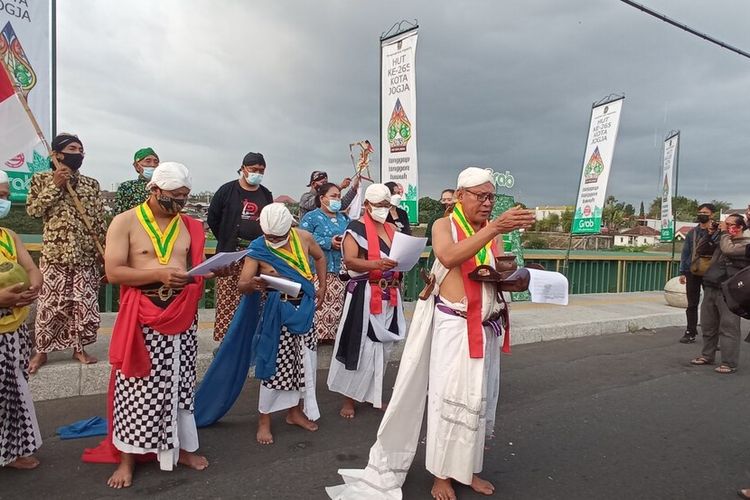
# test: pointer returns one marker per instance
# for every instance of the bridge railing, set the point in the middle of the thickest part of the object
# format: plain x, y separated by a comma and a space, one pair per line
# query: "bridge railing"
587, 272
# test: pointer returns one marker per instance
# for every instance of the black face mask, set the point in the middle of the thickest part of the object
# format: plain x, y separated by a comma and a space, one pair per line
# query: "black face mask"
170, 205
702, 218
72, 160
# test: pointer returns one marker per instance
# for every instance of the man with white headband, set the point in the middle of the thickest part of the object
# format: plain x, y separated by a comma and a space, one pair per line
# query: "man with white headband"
19, 436
154, 345
373, 317
451, 354
282, 343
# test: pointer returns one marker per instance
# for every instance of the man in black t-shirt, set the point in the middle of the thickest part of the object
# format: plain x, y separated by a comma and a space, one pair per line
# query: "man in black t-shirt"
233, 218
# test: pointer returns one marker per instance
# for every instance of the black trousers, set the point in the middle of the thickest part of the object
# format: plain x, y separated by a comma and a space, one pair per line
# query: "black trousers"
693, 289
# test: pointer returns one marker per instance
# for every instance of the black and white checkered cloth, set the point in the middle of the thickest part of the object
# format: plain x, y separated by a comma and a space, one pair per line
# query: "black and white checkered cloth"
17, 436
145, 409
290, 371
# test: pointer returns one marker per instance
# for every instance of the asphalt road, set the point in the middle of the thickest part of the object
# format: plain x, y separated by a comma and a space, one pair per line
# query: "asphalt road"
614, 417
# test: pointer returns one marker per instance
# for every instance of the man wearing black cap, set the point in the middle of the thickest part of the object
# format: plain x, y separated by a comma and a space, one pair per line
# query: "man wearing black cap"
233, 218
68, 308
317, 179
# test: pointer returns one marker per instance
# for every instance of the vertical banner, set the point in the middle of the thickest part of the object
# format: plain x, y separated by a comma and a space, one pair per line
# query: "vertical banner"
398, 115
26, 50
671, 147
597, 162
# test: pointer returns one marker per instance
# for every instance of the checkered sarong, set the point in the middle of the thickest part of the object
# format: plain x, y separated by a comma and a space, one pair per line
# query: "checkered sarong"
145, 409
17, 421
290, 371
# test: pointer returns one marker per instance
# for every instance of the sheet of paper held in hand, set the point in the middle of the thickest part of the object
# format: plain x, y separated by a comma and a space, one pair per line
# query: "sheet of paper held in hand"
289, 287
406, 250
547, 287
221, 259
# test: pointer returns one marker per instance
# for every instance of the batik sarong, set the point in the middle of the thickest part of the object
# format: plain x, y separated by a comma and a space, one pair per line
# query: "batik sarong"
327, 317
227, 299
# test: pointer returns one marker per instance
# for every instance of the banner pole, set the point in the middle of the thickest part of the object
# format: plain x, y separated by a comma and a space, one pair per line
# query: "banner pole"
69, 188
53, 69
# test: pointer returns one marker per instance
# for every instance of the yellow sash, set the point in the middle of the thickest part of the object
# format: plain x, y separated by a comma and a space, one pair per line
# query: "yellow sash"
10, 322
296, 258
163, 242
484, 255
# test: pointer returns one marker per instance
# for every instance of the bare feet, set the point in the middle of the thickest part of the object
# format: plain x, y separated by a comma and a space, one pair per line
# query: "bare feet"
264, 435
37, 361
24, 463
347, 409
123, 475
482, 485
442, 489
84, 357
295, 416
192, 460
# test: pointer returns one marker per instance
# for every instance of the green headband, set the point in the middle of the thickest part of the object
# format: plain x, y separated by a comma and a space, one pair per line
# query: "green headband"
142, 153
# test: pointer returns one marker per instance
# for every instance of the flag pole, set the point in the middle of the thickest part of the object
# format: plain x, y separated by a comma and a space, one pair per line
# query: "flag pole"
69, 188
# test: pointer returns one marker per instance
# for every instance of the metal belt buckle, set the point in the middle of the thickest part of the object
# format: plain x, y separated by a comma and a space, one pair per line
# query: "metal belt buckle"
283, 297
383, 283
165, 293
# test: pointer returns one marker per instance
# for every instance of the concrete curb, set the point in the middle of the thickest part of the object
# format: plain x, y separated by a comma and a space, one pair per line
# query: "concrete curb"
586, 316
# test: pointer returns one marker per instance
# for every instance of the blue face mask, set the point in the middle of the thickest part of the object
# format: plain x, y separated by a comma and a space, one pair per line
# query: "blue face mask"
148, 172
334, 205
4, 208
254, 178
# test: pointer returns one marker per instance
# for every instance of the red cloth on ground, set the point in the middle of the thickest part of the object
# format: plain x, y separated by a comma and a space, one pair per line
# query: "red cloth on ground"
127, 350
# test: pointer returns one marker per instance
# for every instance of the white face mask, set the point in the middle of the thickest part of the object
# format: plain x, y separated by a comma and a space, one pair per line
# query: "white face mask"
277, 244
396, 200
254, 178
380, 214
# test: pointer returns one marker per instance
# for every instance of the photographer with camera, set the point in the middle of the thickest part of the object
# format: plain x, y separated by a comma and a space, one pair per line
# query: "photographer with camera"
694, 261
717, 320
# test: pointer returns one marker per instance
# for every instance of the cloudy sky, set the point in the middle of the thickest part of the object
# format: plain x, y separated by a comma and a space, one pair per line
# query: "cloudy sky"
506, 85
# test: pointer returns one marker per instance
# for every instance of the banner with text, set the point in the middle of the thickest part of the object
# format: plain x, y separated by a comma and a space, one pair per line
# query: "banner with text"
26, 50
398, 111
671, 146
597, 162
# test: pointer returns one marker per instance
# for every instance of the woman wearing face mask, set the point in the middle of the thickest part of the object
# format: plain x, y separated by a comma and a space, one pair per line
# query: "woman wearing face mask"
68, 309
19, 437
327, 225
718, 323
233, 218
396, 214
373, 317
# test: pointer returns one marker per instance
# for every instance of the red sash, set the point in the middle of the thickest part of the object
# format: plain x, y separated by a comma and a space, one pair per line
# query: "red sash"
127, 350
373, 253
473, 290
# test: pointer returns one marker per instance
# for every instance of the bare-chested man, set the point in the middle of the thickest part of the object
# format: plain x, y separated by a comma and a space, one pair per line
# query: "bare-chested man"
154, 345
286, 357
452, 353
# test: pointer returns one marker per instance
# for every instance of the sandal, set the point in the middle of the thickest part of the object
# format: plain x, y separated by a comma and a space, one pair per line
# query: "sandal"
742, 494
725, 369
700, 361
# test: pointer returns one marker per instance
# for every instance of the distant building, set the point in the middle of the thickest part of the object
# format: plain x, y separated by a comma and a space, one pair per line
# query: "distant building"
541, 213
108, 198
286, 200
637, 237
656, 224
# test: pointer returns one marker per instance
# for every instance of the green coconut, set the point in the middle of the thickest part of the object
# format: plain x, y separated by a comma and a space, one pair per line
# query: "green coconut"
11, 273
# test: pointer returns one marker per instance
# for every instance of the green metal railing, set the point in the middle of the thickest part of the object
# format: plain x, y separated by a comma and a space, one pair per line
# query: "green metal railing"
587, 272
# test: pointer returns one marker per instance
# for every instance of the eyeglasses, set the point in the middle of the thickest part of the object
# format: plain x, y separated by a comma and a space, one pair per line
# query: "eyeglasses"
482, 197
734, 225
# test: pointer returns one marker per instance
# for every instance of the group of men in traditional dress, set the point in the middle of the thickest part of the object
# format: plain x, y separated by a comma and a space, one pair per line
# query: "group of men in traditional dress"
451, 358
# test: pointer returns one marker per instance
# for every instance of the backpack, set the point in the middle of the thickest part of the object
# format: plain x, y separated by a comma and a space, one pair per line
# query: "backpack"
736, 291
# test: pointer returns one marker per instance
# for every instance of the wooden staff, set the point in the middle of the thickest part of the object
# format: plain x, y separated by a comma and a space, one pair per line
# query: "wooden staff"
73, 195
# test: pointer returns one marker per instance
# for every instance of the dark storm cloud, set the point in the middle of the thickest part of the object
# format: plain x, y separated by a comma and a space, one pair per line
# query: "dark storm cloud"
506, 85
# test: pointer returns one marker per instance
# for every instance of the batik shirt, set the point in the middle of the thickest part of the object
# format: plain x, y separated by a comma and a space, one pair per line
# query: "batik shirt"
130, 194
66, 239
323, 229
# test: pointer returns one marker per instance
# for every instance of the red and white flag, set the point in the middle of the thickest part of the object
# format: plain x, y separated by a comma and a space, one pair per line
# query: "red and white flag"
17, 132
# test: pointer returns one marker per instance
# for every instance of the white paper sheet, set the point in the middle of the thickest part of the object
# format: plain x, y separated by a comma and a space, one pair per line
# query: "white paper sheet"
289, 287
547, 287
221, 259
406, 250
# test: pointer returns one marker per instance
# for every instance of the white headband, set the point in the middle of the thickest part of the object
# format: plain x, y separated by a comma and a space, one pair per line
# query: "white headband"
275, 219
171, 175
475, 176
376, 193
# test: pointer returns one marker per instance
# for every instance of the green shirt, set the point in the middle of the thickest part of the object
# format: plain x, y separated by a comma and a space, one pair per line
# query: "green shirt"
130, 194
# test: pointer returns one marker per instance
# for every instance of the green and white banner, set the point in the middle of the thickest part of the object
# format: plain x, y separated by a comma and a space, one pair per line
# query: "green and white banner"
597, 162
398, 111
26, 51
671, 148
